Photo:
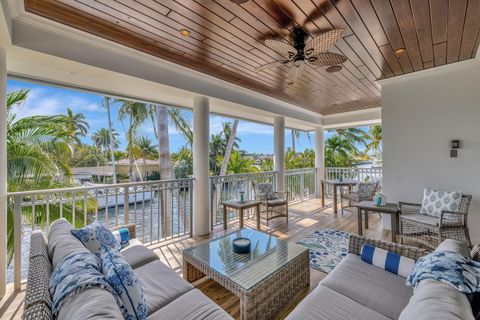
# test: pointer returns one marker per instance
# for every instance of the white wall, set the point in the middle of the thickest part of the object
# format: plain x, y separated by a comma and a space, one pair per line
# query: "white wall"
421, 114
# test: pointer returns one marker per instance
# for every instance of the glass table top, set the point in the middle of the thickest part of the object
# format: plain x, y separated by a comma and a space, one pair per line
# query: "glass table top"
267, 255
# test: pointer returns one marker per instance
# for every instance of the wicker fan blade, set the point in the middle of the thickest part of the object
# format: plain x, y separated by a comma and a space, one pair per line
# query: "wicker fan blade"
271, 65
326, 59
282, 48
281, 13
323, 42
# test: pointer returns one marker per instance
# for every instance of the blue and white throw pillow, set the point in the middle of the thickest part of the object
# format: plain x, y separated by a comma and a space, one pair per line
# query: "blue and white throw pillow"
452, 268
387, 260
95, 236
436, 201
122, 235
76, 273
124, 282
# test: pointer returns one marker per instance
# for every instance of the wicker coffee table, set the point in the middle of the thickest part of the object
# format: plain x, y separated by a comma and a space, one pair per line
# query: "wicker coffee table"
266, 280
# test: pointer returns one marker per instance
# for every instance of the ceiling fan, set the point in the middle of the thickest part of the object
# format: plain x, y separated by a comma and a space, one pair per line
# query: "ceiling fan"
306, 49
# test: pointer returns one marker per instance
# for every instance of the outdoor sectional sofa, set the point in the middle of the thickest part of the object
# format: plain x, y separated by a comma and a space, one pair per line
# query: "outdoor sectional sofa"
168, 295
358, 290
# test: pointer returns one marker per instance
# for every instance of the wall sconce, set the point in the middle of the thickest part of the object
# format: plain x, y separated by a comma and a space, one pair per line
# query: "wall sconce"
454, 146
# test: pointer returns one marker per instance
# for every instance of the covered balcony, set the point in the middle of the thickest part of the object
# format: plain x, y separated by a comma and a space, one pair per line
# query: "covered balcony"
411, 67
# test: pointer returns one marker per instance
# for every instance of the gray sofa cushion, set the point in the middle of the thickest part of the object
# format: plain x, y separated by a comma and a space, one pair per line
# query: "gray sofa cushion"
373, 287
439, 301
137, 254
61, 242
324, 303
91, 304
161, 285
193, 305
421, 218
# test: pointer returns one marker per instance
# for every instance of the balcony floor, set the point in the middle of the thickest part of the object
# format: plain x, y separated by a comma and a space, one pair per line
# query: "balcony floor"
305, 218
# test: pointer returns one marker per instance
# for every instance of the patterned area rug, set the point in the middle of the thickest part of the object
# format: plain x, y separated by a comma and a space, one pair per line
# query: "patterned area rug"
327, 248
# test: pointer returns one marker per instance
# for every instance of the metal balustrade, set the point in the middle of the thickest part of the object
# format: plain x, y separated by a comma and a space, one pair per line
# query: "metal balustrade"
161, 210
301, 184
359, 174
229, 187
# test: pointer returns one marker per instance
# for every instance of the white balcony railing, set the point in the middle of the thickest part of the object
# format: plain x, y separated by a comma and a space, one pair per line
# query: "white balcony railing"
161, 210
359, 174
300, 183
228, 187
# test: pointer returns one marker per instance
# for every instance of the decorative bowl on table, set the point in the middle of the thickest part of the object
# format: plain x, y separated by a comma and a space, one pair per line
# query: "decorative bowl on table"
241, 245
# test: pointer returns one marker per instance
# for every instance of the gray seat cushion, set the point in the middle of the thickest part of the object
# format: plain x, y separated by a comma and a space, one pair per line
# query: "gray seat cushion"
324, 303
439, 301
91, 304
193, 305
62, 243
161, 285
136, 254
421, 218
276, 202
373, 287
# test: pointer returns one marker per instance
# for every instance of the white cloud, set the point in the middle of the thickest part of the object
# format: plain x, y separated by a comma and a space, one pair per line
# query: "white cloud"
43, 102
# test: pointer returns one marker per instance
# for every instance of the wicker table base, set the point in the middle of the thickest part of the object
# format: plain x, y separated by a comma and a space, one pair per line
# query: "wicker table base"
268, 297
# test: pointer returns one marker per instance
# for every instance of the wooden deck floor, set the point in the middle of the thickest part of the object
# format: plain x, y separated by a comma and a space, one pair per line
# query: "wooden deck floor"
305, 218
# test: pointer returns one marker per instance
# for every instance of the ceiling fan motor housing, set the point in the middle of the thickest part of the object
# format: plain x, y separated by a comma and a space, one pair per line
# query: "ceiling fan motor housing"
299, 38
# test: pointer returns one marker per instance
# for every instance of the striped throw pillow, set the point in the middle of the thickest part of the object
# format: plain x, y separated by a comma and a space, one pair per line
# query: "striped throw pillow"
122, 235
387, 260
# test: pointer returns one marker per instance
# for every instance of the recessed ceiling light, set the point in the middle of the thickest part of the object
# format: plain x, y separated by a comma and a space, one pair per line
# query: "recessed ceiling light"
334, 69
400, 50
185, 32
239, 1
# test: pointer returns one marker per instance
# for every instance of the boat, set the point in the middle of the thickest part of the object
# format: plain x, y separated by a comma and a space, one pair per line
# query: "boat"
109, 196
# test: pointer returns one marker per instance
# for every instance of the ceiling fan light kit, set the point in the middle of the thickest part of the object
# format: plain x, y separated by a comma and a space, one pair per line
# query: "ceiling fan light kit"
334, 69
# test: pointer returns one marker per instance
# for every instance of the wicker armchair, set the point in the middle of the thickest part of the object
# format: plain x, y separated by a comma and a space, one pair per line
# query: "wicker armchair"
274, 203
431, 231
363, 191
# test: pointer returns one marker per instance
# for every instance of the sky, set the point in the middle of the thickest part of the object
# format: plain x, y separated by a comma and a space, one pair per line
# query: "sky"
50, 100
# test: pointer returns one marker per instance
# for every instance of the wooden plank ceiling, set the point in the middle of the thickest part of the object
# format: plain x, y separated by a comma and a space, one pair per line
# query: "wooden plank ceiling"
226, 39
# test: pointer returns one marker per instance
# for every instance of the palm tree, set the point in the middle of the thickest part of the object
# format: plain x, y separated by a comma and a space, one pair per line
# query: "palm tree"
216, 151
183, 163
266, 164
101, 139
159, 115
354, 135
145, 148
375, 137
230, 133
38, 151
339, 152
182, 124
77, 125
240, 164
137, 113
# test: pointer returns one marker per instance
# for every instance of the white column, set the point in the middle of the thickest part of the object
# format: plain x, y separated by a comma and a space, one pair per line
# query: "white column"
3, 172
319, 156
201, 185
279, 151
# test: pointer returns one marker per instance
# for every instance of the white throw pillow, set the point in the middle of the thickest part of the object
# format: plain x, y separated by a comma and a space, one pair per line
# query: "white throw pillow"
436, 201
